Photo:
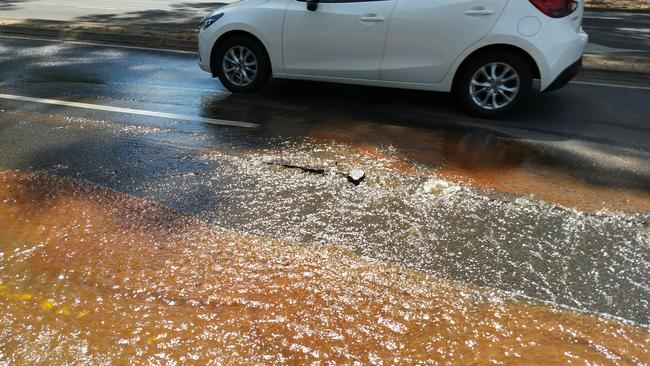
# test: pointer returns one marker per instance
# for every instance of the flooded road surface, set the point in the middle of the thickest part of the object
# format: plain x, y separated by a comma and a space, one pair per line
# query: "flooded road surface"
518, 241
595, 262
93, 276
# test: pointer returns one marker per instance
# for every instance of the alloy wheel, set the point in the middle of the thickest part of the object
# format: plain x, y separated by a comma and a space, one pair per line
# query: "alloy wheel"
494, 86
240, 66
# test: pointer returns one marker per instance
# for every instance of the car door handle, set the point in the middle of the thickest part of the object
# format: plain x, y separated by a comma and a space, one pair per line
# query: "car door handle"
372, 18
481, 11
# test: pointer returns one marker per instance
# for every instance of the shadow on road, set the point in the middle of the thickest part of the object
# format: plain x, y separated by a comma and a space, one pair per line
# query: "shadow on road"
184, 15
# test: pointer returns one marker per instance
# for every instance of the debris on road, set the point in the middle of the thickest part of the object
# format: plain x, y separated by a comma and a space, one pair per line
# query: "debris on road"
356, 176
304, 168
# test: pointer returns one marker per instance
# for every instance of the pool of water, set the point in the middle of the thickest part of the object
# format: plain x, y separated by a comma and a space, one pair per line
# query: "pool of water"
92, 276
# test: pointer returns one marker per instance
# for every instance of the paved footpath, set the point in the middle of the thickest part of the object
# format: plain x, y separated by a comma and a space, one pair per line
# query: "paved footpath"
160, 13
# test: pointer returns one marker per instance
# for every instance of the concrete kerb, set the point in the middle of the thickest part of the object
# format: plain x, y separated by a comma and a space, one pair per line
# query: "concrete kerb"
129, 35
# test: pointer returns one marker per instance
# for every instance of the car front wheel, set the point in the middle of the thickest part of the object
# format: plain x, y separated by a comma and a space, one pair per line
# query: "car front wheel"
242, 65
493, 85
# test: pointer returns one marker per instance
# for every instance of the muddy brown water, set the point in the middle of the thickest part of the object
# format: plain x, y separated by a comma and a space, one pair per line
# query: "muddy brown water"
89, 275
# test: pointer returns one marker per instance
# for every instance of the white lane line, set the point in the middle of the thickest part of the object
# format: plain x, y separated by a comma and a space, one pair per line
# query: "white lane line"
100, 44
140, 112
622, 86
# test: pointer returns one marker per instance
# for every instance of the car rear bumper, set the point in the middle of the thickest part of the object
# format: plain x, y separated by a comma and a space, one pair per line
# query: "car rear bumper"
562, 47
565, 77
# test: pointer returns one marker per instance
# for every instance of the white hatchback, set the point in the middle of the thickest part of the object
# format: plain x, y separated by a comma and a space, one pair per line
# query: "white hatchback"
487, 52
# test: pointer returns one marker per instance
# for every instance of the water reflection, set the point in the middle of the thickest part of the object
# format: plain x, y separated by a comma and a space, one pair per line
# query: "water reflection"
428, 131
489, 161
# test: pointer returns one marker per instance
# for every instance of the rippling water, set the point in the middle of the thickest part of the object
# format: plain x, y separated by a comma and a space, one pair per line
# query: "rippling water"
88, 275
596, 261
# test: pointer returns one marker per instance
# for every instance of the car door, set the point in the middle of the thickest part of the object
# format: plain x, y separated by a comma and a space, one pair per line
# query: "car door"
342, 38
426, 36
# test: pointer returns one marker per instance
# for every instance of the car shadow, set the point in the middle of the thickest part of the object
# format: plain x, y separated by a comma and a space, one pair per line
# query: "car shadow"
430, 129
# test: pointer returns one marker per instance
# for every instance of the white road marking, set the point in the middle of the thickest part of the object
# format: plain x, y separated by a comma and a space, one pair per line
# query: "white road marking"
140, 112
611, 85
100, 44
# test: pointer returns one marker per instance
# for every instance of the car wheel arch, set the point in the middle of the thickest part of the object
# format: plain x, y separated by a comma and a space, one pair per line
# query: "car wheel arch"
498, 47
229, 35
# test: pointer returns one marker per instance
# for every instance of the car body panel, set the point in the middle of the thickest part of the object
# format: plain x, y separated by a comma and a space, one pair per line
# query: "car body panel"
335, 41
325, 49
261, 18
426, 36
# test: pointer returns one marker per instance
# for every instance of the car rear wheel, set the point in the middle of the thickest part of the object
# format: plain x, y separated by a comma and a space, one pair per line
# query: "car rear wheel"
493, 85
242, 65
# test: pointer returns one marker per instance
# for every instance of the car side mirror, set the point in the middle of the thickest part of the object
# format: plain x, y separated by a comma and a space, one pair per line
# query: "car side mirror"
312, 5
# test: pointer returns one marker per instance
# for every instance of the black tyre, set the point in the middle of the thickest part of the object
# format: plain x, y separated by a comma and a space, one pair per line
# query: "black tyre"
493, 84
242, 64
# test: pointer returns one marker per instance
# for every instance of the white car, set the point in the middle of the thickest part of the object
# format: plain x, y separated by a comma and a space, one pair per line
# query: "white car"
487, 52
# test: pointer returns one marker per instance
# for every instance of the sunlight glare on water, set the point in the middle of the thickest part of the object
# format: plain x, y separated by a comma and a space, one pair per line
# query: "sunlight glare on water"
92, 276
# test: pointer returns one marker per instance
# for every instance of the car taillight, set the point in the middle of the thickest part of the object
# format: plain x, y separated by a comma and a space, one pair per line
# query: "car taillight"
556, 8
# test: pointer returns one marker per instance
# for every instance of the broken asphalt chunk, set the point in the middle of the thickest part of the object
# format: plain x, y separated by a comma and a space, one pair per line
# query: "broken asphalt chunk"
356, 176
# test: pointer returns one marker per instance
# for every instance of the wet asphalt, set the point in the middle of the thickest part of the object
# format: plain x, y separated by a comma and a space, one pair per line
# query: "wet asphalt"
233, 177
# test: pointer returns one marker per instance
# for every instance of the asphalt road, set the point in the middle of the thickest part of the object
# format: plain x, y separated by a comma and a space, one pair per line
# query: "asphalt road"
608, 117
583, 124
618, 32
94, 113
623, 33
